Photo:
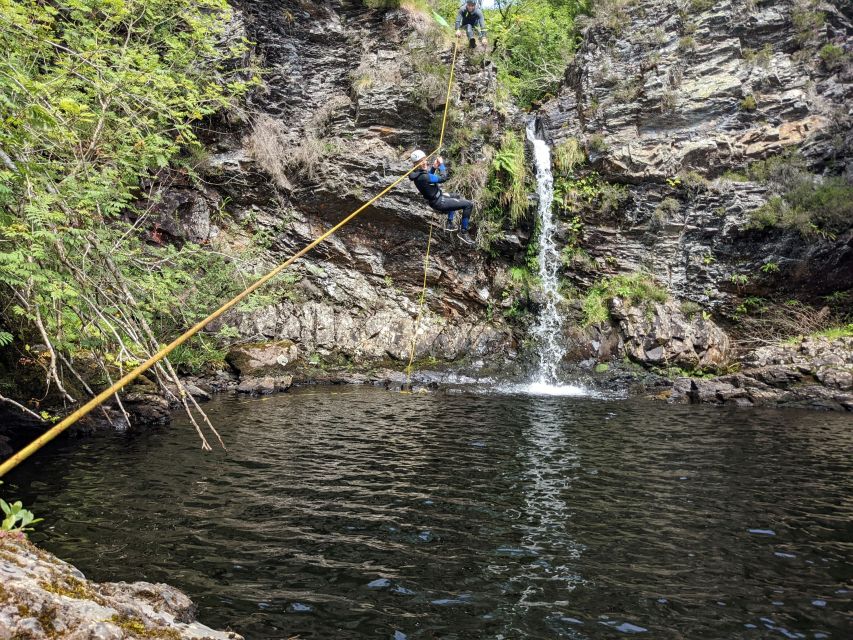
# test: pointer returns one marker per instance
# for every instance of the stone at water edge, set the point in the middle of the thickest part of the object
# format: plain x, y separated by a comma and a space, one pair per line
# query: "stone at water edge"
265, 385
43, 597
262, 359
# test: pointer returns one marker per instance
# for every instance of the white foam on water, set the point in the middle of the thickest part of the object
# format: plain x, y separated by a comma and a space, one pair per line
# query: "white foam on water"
546, 389
542, 388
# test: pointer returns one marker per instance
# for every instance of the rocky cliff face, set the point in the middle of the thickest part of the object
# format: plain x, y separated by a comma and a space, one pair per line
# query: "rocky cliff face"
668, 97
674, 101
349, 92
684, 106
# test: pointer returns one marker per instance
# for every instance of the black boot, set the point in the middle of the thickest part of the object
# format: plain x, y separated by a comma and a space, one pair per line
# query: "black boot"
465, 237
472, 43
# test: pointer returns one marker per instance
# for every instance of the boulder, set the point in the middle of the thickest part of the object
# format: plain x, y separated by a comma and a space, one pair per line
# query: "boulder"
264, 385
43, 597
147, 408
263, 359
660, 335
816, 373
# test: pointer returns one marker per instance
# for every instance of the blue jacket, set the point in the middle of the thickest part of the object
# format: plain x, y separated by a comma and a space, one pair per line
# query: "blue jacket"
427, 182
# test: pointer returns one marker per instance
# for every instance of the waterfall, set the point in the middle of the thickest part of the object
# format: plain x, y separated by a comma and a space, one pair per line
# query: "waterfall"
549, 326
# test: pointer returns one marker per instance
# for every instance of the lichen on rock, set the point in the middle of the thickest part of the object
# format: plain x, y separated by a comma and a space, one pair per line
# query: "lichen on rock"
42, 597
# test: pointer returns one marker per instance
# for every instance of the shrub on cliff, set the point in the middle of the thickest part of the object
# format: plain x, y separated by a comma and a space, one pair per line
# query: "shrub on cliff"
98, 102
635, 290
533, 44
813, 205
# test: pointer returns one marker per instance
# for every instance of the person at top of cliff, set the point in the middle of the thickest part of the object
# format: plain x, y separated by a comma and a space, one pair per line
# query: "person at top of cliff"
426, 179
470, 16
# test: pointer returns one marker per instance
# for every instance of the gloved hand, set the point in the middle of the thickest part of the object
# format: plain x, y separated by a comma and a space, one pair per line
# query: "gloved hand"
458, 33
483, 41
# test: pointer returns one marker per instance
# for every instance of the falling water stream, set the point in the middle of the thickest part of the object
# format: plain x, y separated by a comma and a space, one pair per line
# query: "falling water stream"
548, 330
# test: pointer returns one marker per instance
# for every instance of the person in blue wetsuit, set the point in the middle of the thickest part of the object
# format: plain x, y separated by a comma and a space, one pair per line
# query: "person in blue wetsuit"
470, 16
427, 179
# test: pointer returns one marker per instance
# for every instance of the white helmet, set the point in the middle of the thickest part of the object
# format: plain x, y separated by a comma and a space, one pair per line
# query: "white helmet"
417, 156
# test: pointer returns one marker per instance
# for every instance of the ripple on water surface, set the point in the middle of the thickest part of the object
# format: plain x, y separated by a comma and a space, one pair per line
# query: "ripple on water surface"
358, 513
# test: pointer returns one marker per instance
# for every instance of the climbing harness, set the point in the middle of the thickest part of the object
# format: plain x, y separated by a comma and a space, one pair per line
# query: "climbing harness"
84, 410
407, 386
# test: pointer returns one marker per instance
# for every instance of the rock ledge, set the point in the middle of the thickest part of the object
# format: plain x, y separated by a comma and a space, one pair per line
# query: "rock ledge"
43, 597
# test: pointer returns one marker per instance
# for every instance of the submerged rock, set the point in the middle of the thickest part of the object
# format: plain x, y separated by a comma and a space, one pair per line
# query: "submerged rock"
43, 597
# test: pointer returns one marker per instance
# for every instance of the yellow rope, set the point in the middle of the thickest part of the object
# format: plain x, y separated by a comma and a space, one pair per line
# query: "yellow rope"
82, 411
429, 239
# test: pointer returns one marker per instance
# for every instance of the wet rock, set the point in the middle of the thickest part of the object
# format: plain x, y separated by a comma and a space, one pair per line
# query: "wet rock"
660, 335
265, 385
44, 597
147, 408
189, 387
259, 360
781, 376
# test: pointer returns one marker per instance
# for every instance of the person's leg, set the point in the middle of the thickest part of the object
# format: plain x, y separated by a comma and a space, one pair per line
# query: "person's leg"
449, 225
472, 41
453, 202
466, 213
442, 207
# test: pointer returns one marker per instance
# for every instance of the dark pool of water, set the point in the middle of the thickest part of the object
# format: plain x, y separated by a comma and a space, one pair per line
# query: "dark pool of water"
359, 513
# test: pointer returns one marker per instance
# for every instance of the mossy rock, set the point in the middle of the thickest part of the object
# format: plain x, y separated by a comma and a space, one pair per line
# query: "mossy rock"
258, 360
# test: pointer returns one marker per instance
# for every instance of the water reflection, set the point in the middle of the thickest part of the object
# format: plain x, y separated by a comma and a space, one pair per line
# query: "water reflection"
547, 572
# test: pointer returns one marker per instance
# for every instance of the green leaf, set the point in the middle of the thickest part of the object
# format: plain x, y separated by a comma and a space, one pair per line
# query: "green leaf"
440, 20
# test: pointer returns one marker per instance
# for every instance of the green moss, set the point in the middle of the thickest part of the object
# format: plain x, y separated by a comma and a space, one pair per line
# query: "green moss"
638, 289
833, 333
810, 205
71, 587
761, 56
665, 210
749, 103
807, 22
137, 627
602, 367
46, 618
690, 309
596, 142
735, 176
700, 5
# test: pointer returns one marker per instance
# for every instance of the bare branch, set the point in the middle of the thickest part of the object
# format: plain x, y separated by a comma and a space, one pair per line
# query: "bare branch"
21, 407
